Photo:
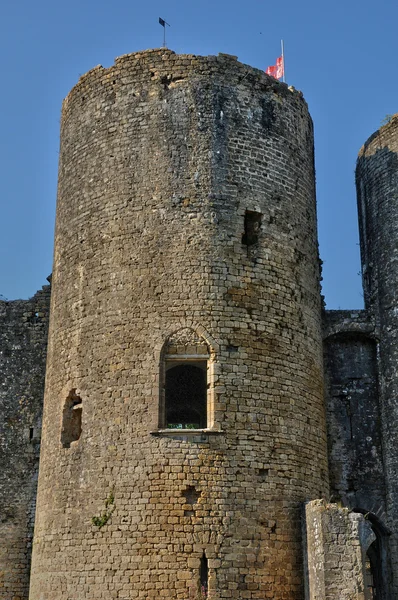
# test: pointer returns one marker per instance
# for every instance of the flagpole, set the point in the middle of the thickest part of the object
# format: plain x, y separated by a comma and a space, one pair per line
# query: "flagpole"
283, 59
163, 23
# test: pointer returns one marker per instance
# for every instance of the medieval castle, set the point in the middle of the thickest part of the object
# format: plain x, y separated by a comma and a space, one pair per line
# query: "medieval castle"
208, 430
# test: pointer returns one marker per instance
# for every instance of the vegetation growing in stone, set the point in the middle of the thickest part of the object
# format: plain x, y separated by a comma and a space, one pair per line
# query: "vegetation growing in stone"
102, 519
386, 120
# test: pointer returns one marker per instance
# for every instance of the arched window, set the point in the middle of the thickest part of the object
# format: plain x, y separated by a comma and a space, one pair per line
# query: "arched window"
186, 398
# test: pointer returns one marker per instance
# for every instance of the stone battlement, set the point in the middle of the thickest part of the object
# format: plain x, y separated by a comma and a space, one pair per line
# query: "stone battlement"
168, 68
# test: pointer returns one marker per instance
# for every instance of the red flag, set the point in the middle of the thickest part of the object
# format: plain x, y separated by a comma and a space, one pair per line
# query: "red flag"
276, 70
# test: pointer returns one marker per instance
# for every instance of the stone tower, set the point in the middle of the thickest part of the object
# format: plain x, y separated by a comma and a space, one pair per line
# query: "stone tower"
184, 423
377, 190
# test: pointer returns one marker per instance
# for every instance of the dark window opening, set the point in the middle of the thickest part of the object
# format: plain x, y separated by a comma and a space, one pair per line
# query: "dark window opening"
369, 579
374, 572
263, 474
191, 494
252, 228
186, 396
33, 318
242, 585
71, 419
231, 348
204, 576
375, 560
34, 435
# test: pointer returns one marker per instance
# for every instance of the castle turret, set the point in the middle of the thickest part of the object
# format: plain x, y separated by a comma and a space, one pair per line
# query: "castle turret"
377, 190
184, 422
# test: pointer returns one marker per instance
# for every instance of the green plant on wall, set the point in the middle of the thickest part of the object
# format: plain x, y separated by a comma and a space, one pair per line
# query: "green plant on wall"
102, 519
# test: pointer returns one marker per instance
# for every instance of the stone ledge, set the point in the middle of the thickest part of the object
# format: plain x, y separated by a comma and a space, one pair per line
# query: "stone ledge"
201, 434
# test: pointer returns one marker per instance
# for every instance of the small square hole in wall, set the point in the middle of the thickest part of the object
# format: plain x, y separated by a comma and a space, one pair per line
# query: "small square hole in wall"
263, 474
71, 419
33, 318
191, 494
252, 226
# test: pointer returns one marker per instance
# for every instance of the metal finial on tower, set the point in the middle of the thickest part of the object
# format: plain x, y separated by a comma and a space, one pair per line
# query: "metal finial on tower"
163, 23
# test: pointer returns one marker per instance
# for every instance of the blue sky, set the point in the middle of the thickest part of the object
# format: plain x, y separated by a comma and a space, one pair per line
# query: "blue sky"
342, 55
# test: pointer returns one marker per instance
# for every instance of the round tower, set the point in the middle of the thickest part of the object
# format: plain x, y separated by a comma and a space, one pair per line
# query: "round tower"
377, 193
184, 420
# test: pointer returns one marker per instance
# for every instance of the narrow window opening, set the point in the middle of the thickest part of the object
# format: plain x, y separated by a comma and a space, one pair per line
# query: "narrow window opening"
34, 435
186, 395
71, 419
252, 226
204, 576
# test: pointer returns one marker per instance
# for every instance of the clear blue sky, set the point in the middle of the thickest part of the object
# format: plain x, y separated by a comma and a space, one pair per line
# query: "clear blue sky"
342, 55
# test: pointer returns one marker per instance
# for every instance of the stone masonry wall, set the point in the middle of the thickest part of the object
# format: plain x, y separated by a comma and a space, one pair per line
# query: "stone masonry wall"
337, 541
23, 341
377, 191
353, 411
164, 161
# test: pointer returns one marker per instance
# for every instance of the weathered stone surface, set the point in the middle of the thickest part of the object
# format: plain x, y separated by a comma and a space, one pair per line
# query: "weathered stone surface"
23, 340
337, 541
377, 189
164, 158
353, 411
186, 237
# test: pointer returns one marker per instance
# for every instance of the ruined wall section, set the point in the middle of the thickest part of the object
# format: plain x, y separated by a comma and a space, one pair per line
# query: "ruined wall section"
353, 411
23, 342
164, 159
377, 192
337, 542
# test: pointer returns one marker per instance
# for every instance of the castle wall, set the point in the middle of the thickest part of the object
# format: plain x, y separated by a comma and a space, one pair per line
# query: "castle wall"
377, 189
23, 340
162, 156
353, 411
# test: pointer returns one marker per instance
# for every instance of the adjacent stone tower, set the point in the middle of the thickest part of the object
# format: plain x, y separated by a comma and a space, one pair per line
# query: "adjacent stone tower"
377, 190
23, 340
184, 421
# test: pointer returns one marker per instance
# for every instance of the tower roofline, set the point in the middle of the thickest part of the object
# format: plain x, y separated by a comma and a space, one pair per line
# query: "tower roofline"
158, 63
382, 131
